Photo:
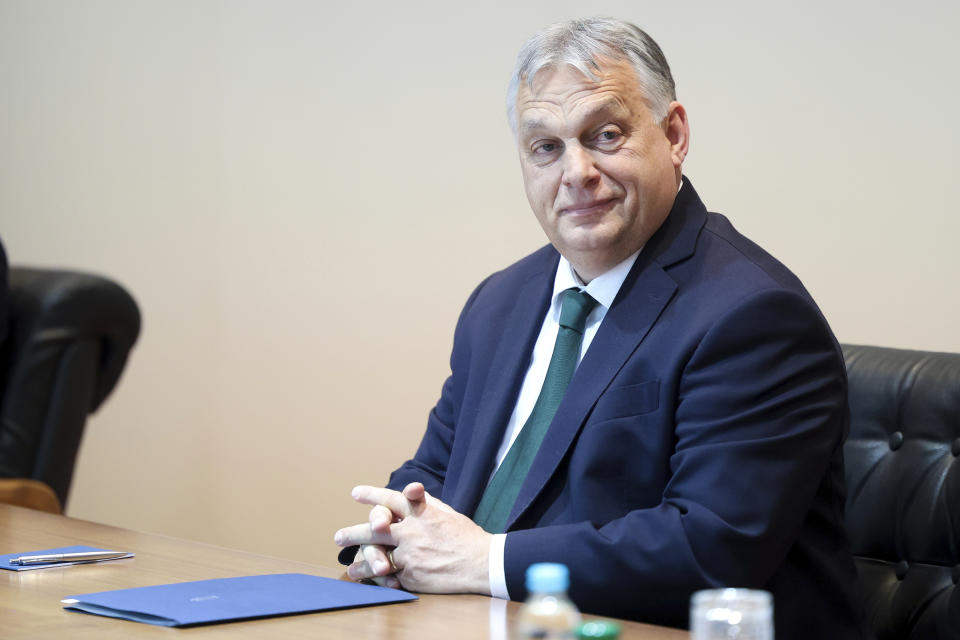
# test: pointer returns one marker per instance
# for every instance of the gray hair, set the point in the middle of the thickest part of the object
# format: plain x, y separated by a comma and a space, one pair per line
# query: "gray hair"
579, 43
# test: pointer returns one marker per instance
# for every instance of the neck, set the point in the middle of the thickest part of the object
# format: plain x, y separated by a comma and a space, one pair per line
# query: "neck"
587, 266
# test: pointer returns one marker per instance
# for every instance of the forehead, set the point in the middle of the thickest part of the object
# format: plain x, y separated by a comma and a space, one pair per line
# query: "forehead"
563, 91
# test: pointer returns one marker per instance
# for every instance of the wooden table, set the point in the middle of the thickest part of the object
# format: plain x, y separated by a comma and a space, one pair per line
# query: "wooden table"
30, 600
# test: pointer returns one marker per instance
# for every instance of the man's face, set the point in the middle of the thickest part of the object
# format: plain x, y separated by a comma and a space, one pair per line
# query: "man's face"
600, 174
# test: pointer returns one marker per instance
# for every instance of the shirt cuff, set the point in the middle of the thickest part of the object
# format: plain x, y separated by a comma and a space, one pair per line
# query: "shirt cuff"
498, 577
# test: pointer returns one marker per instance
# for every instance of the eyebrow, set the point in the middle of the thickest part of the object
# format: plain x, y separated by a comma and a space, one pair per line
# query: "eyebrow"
606, 108
532, 125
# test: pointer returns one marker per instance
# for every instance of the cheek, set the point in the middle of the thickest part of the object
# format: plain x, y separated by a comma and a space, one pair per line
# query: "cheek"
624, 169
541, 188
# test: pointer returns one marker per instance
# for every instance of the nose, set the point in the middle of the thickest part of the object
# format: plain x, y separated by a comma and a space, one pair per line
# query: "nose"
579, 169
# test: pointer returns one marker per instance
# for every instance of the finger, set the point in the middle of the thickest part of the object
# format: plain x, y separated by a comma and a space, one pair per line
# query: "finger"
415, 492
386, 581
362, 534
389, 581
370, 563
376, 559
380, 519
360, 571
389, 498
418, 497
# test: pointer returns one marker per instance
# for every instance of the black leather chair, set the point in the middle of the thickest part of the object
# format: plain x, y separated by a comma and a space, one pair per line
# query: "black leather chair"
70, 334
903, 485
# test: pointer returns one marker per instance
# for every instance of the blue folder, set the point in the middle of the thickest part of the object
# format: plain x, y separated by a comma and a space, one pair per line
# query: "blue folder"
229, 599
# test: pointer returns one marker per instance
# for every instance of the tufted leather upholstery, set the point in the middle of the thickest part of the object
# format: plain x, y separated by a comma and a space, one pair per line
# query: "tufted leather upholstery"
70, 334
903, 484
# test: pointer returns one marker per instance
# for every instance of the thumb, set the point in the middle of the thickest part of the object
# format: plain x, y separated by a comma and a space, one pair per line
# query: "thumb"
415, 492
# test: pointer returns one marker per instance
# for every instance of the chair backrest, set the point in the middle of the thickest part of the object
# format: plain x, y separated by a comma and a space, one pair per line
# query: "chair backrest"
70, 334
903, 486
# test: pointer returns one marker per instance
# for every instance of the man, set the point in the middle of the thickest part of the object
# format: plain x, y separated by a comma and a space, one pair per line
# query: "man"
698, 443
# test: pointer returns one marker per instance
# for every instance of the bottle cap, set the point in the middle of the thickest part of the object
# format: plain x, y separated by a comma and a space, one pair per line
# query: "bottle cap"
604, 629
548, 576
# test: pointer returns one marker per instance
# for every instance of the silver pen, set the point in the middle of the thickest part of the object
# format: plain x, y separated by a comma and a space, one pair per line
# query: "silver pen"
80, 556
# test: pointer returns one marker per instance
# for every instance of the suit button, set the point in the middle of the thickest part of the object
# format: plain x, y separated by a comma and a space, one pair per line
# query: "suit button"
896, 439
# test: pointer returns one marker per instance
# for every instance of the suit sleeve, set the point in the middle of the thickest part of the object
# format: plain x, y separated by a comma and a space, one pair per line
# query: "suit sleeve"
759, 413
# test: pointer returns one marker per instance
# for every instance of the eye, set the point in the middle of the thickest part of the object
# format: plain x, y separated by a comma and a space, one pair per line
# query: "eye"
608, 138
544, 147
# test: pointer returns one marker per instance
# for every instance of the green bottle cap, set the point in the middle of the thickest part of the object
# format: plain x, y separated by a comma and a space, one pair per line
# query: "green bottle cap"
604, 629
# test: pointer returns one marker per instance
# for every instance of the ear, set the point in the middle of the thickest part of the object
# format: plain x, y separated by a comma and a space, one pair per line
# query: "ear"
677, 129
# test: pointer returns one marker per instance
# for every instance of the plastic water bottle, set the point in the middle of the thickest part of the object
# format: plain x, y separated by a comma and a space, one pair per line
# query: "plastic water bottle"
548, 612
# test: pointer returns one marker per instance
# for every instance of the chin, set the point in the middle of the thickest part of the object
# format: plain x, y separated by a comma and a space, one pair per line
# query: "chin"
589, 239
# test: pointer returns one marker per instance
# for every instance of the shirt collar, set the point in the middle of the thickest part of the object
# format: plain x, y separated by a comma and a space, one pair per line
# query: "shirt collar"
603, 288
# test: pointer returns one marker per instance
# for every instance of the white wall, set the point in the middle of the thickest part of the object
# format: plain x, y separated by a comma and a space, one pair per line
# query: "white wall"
268, 178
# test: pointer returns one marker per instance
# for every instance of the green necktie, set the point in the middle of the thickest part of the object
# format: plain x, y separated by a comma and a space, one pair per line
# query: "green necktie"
501, 493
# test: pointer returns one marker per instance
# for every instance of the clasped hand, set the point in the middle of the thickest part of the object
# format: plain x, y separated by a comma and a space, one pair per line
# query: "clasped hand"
414, 541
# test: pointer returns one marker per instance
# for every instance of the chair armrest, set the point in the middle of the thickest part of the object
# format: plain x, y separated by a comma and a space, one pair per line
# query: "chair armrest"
32, 494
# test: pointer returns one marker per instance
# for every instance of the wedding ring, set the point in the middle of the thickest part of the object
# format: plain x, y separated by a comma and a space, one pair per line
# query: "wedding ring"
392, 563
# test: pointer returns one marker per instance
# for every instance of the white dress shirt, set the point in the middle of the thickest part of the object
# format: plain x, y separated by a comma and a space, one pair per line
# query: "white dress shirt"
603, 289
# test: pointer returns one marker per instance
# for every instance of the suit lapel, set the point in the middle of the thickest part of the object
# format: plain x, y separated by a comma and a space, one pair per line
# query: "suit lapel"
623, 328
505, 375
644, 294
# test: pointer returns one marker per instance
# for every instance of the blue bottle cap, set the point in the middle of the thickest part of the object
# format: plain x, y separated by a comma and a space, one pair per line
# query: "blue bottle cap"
548, 576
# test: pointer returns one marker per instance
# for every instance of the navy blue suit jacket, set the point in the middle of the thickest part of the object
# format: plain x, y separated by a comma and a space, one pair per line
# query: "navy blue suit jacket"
698, 444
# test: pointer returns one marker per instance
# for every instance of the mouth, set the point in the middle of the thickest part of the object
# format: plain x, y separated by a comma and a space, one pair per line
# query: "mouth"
587, 208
